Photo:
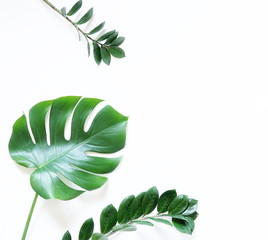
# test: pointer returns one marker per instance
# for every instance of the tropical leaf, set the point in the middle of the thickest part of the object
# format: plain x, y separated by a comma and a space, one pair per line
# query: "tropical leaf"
150, 200
105, 55
123, 215
86, 17
165, 199
178, 205
183, 224
97, 53
58, 161
108, 219
67, 236
97, 29
75, 8
86, 230
106, 35
118, 41
116, 52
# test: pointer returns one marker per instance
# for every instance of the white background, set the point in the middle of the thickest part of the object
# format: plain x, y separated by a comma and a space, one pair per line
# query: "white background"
194, 84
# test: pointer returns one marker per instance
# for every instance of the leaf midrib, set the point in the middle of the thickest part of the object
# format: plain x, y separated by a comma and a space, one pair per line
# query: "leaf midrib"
73, 147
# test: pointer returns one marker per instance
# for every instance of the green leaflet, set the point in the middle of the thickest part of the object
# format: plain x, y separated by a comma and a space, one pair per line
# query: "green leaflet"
67, 158
108, 219
192, 207
165, 199
67, 236
116, 52
75, 8
105, 35
86, 230
118, 41
150, 200
111, 38
97, 53
178, 205
105, 55
123, 215
63, 11
183, 224
86, 17
136, 209
97, 29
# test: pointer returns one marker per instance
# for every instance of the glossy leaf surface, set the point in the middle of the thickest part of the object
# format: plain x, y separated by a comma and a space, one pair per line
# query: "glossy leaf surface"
86, 230
59, 161
108, 219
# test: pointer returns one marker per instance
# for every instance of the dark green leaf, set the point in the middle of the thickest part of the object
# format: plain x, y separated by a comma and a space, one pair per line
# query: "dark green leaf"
105, 55
97, 29
108, 219
193, 216
192, 207
161, 221
75, 8
63, 11
86, 230
118, 41
67, 236
97, 53
111, 38
88, 48
123, 215
99, 236
165, 199
105, 35
117, 52
124, 227
143, 223
63, 157
136, 210
178, 205
86, 17
150, 200
183, 224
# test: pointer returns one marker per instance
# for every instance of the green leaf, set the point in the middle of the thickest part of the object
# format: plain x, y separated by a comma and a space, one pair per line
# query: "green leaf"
75, 8
117, 52
124, 227
111, 38
123, 215
161, 221
86, 230
192, 207
86, 17
105, 55
118, 41
97, 53
178, 205
150, 200
183, 224
63, 11
108, 219
165, 199
99, 236
147, 223
136, 209
88, 48
67, 236
193, 216
63, 158
97, 29
105, 35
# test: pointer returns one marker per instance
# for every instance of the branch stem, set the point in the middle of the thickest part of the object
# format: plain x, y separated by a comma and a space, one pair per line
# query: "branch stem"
73, 23
29, 218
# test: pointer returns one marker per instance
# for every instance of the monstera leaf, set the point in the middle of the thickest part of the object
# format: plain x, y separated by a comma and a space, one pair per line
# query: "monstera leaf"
60, 163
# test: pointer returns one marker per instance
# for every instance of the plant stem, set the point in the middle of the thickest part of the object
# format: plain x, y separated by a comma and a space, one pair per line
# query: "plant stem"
140, 219
29, 218
73, 23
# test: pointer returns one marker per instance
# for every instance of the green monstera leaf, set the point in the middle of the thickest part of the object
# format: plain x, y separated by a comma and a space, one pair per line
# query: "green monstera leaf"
59, 163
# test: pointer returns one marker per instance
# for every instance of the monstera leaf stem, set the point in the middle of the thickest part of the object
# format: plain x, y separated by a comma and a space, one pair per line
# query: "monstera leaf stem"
29, 218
